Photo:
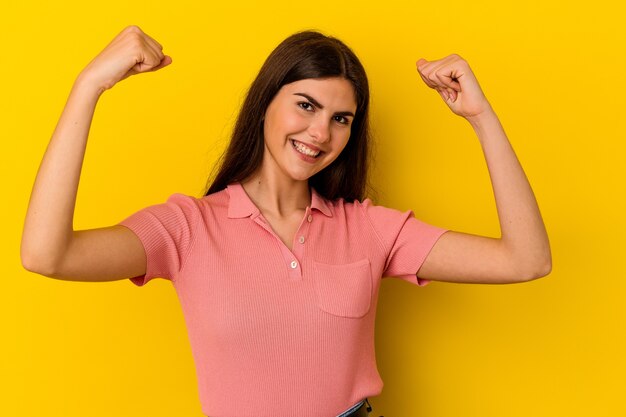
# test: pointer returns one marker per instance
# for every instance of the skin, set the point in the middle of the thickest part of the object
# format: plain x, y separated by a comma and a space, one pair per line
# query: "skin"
51, 247
522, 253
318, 114
280, 188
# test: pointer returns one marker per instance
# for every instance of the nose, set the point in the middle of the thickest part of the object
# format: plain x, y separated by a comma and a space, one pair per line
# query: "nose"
319, 129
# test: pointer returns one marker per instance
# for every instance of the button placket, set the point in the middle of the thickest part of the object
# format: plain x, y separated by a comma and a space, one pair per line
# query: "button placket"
292, 257
304, 239
299, 245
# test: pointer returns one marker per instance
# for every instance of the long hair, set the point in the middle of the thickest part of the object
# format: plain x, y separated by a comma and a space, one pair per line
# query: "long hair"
307, 54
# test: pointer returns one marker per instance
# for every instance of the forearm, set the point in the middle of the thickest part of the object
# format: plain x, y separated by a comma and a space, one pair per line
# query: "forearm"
524, 235
48, 225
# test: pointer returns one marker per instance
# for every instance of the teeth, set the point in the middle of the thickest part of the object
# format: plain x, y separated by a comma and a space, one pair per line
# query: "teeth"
304, 149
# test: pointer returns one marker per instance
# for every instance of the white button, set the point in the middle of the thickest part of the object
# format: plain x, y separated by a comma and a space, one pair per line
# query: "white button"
310, 218
301, 240
294, 264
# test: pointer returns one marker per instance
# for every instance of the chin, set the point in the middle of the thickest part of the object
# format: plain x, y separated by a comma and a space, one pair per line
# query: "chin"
301, 177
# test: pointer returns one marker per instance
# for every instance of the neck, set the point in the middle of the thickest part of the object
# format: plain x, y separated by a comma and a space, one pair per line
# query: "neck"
278, 197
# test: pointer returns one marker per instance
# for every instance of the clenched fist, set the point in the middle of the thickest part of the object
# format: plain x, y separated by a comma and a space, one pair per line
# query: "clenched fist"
454, 80
130, 52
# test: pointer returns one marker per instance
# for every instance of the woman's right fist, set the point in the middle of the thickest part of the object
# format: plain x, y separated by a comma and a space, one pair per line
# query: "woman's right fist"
130, 52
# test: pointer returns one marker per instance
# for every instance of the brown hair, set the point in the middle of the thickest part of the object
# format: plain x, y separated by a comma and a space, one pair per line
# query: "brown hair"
303, 55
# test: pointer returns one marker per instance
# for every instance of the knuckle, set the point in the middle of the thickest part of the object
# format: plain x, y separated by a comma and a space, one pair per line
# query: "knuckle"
136, 40
133, 28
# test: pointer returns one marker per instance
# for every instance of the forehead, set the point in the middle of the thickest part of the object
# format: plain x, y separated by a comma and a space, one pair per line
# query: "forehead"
336, 93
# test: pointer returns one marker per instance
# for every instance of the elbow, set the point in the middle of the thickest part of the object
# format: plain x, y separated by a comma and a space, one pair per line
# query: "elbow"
538, 268
528, 263
38, 259
541, 270
546, 267
543, 266
28, 263
31, 264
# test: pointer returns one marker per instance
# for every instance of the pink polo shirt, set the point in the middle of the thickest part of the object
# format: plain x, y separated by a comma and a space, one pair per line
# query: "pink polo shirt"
274, 330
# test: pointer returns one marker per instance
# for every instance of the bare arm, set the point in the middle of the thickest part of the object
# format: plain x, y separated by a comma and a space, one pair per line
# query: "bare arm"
50, 246
522, 252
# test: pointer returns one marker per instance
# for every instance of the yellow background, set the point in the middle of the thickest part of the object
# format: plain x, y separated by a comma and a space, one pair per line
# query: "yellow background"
552, 70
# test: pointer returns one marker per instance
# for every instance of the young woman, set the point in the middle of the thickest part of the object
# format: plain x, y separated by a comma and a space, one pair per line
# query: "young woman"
278, 266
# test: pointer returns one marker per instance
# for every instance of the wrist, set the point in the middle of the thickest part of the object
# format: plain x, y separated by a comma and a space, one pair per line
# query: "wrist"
486, 116
85, 85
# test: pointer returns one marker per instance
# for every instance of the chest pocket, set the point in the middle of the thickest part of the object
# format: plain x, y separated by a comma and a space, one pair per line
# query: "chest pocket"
343, 290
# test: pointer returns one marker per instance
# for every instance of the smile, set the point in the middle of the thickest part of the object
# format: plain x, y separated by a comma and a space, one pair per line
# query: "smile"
303, 149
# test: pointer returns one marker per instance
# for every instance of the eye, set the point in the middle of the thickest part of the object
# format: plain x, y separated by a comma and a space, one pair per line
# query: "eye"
305, 105
342, 119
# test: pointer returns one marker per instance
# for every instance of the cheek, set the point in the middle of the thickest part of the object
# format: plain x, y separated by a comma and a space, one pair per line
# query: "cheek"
343, 138
286, 123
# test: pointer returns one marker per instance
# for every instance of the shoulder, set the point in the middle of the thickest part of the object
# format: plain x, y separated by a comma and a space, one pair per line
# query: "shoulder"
203, 203
183, 208
215, 201
386, 222
366, 208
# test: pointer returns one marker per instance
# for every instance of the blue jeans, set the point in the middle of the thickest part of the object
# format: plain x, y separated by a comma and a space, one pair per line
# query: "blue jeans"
357, 410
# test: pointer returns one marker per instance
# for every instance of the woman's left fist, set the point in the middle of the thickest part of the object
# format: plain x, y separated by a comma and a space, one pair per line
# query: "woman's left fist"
454, 80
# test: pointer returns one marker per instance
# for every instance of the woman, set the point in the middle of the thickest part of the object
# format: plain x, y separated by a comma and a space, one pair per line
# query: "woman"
278, 266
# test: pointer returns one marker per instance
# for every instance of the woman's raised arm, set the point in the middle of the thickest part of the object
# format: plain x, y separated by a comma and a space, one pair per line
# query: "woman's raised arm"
49, 245
522, 253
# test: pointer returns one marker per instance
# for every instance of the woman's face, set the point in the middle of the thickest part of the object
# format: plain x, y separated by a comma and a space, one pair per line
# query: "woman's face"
307, 125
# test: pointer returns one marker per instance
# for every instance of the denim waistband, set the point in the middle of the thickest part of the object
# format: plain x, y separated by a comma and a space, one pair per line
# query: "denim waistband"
352, 409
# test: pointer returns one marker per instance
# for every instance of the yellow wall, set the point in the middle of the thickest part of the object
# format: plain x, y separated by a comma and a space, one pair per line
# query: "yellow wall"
554, 74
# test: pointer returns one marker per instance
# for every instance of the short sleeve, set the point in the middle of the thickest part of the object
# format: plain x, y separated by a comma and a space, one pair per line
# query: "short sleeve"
167, 232
407, 241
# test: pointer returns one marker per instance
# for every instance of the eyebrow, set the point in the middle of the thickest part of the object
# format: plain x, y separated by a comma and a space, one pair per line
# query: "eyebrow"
317, 104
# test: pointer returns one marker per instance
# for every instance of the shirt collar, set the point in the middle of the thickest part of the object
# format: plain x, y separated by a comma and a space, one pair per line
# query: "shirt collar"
240, 205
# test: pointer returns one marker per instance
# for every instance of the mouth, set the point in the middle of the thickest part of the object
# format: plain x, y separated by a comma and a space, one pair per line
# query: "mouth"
304, 149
